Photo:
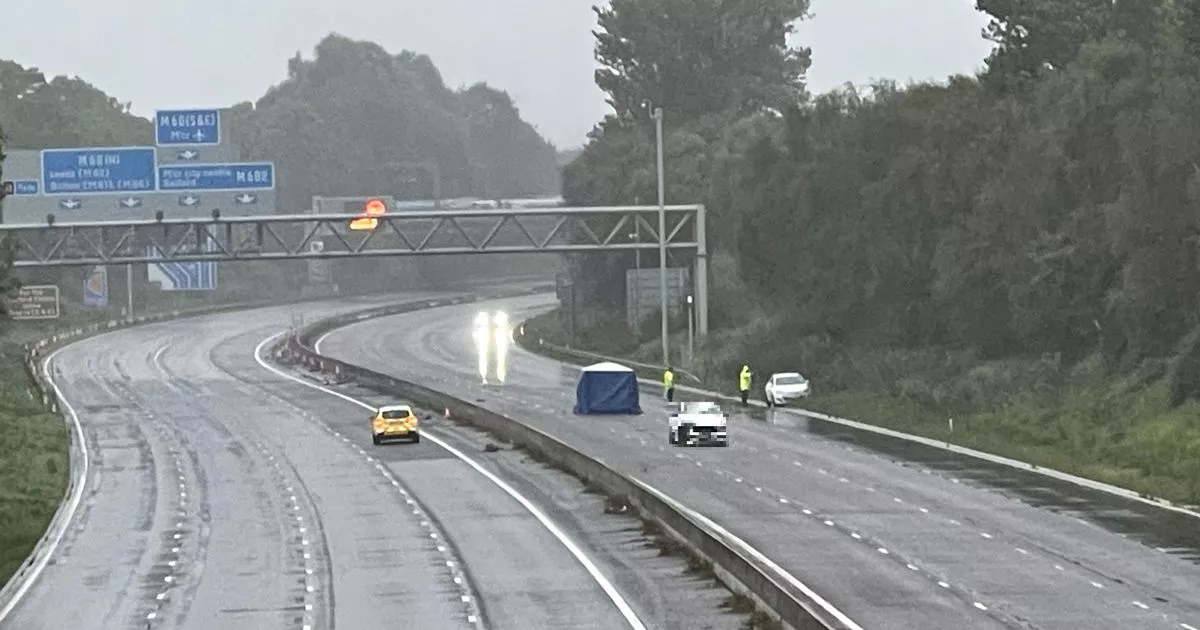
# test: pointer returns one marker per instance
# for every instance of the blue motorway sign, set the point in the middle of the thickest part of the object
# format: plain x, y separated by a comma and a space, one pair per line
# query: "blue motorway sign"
188, 126
25, 187
234, 176
98, 171
188, 276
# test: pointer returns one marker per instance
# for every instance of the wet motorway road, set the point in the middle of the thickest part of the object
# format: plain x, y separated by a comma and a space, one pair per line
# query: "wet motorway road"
223, 496
892, 543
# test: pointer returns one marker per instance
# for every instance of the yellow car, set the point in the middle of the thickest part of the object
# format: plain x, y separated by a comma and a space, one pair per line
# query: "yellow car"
392, 422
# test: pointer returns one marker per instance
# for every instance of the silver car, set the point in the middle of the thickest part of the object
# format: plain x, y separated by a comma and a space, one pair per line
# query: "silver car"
784, 387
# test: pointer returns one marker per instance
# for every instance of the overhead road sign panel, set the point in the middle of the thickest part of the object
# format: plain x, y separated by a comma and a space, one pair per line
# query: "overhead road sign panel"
232, 177
26, 187
184, 276
21, 187
180, 127
98, 171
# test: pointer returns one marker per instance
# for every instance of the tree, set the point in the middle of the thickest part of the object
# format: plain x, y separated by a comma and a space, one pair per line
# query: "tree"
64, 112
1032, 36
358, 120
721, 70
695, 57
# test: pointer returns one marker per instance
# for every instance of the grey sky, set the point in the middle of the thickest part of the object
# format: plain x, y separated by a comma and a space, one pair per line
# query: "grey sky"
170, 53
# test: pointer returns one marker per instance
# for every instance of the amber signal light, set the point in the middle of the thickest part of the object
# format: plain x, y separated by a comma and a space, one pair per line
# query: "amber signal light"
369, 219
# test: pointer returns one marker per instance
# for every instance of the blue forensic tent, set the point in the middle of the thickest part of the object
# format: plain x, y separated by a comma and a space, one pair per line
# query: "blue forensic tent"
607, 388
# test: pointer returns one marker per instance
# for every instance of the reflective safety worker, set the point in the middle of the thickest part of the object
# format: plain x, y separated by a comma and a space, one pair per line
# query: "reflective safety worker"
744, 384
669, 383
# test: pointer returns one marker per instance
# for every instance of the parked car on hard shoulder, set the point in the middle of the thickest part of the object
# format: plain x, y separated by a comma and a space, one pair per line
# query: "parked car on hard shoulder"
784, 387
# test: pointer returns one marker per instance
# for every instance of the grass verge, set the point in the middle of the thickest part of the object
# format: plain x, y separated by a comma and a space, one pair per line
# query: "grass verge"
1120, 429
34, 462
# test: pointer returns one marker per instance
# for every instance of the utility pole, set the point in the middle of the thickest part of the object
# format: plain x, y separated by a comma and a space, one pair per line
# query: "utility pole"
662, 235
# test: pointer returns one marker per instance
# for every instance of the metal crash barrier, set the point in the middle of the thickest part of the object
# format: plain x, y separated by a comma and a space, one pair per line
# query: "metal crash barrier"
737, 568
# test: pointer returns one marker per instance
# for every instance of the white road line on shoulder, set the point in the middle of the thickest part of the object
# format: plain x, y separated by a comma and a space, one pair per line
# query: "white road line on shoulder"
609, 589
72, 505
317, 345
754, 553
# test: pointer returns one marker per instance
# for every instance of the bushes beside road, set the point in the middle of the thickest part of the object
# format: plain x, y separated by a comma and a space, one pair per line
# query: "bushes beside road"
34, 464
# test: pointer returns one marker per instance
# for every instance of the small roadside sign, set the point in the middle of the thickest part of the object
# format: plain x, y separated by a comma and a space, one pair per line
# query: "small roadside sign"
34, 302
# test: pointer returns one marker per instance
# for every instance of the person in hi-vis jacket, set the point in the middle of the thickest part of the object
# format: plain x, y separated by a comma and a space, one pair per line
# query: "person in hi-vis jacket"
669, 383
744, 384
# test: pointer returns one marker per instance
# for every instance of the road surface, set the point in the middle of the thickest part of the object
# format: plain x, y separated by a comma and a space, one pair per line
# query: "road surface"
224, 496
892, 543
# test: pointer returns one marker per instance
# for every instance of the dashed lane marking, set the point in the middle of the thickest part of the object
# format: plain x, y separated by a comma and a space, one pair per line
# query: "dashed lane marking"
605, 584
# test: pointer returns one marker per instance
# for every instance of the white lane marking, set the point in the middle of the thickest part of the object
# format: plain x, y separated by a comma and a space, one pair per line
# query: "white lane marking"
609, 589
754, 553
72, 505
317, 345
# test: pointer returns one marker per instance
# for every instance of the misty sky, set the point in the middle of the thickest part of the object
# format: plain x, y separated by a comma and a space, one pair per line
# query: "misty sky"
169, 53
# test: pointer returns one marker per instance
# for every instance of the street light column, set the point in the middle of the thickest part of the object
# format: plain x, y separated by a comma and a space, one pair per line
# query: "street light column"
691, 360
662, 234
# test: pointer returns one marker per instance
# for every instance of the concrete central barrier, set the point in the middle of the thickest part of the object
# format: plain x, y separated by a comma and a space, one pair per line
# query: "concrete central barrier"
773, 590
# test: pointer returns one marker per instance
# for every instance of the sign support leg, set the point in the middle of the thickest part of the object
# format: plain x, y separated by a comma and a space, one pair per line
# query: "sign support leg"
129, 289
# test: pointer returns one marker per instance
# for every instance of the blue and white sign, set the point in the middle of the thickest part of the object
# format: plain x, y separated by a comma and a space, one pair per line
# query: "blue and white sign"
188, 276
98, 171
95, 287
188, 126
233, 176
183, 276
25, 187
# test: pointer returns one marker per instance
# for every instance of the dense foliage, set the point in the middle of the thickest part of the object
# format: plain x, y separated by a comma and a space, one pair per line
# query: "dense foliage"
357, 119
1050, 216
64, 112
1018, 245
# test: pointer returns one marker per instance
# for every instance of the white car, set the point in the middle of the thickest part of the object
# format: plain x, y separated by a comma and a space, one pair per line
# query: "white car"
784, 387
698, 424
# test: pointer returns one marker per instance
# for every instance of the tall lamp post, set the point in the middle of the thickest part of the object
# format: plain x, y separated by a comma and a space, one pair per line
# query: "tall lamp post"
662, 233
691, 333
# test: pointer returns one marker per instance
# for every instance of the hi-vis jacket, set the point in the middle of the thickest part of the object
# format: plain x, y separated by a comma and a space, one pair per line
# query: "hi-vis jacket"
744, 378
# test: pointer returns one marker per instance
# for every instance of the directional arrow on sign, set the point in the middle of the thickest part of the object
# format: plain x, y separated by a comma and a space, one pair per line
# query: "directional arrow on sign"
130, 202
246, 199
69, 204
189, 154
198, 136
189, 201
174, 273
